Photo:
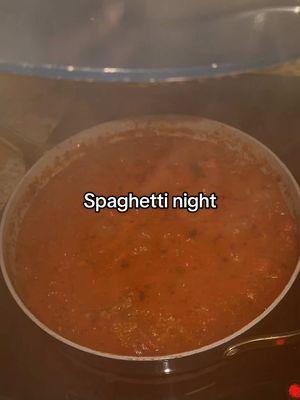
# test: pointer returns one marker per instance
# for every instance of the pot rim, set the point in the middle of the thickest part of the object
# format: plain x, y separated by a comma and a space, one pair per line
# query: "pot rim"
95, 131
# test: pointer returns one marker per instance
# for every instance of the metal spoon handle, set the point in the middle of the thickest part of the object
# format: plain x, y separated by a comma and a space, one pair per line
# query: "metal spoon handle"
263, 342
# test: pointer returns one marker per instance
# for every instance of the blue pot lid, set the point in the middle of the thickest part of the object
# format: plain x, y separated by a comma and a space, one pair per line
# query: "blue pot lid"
146, 40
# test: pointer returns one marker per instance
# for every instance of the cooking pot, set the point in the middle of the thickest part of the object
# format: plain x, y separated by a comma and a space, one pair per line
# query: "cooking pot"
54, 160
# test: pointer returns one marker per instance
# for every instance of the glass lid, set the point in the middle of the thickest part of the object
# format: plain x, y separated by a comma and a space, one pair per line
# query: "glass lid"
146, 40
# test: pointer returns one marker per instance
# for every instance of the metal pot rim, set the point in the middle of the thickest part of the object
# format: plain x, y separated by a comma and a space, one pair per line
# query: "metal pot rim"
119, 126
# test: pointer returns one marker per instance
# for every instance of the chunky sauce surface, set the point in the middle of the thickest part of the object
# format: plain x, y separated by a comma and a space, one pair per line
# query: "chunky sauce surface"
155, 282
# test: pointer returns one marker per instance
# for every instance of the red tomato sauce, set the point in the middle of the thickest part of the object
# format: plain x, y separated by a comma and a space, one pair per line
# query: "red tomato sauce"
155, 282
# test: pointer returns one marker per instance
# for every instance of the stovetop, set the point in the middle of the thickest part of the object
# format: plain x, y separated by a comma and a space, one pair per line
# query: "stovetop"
265, 106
